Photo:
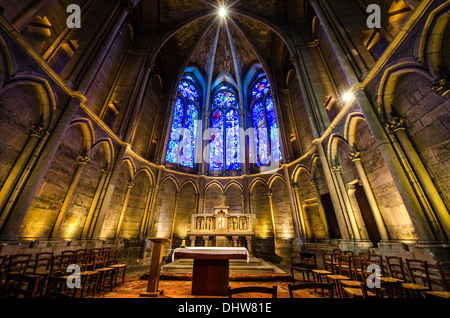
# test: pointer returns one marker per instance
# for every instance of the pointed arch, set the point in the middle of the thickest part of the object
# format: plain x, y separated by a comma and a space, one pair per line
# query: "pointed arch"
211, 184
190, 182
388, 84
108, 149
47, 98
255, 182
88, 132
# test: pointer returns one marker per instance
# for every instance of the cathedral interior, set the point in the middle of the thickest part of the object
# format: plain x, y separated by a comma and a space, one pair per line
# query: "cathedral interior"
281, 126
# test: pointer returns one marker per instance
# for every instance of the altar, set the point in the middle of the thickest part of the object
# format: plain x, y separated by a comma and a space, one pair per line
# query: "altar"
210, 274
223, 228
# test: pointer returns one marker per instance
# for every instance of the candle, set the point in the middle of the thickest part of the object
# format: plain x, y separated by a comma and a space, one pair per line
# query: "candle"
183, 243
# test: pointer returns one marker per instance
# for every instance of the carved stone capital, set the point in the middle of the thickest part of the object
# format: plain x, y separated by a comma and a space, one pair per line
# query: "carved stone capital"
336, 168
269, 195
130, 183
395, 124
442, 86
83, 159
314, 182
37, 131
105, 172
354, 155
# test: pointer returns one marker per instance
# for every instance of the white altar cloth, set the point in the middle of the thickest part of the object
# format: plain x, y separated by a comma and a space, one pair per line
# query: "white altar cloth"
213, 250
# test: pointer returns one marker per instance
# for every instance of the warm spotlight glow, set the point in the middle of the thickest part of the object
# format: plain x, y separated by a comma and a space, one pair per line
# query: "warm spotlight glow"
347, 97
222, 12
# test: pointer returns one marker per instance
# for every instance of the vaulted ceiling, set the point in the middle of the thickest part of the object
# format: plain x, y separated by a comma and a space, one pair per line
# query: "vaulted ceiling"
200, 37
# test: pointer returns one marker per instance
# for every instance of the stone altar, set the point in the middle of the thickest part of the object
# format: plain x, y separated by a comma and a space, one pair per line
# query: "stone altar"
225, 227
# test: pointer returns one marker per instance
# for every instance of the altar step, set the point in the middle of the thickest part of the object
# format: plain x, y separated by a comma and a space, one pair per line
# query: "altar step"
237, 266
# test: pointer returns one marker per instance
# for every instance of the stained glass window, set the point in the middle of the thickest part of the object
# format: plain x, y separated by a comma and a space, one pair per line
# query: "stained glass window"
225, 152
216, 145
267, 139
233, 151
261, 138
183, 133
175, 133
189, 137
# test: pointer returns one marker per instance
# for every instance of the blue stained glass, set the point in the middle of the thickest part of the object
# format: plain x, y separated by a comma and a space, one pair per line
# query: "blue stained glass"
225, 99
273, 128
175, 132
216, 145
233, 151
261, 136
188, 91
189, 136
260, 89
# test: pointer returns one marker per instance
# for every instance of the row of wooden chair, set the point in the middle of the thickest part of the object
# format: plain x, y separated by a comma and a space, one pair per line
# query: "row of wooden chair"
348, 274
273, 291
49, 275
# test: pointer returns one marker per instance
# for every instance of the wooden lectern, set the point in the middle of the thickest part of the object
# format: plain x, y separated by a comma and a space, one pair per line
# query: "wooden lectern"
155, 266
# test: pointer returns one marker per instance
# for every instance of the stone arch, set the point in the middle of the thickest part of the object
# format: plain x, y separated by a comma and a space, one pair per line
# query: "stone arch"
388, 85
165, 207
234, 197
212, 193
187, 205
52, 191
432, 40
6, 60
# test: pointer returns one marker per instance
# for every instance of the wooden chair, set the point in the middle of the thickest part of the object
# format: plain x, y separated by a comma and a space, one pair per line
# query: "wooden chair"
71, 254
305, 266
113, 262
89, 278
357, 268
251, 290
363, 290
364, 255
444, 273
337, 278
328, 267
57, 280
3, 267
19, 286
315, 286
42, 268
377, 259
106, 274
345, 265
18, 264
395, 267
419, 275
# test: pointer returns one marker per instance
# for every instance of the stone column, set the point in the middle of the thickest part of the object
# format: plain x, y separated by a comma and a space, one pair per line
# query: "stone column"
356, 158
175, 208
82, 161
154, 201
130, 185
401, 180
88, 77
132, 121
37, 133
109, 192
249, 245
270, 196
21, 22
323, 217
343, 58
17, 215
145, 217
333, 192
396, 125
337, 170
87, 229
303, 230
